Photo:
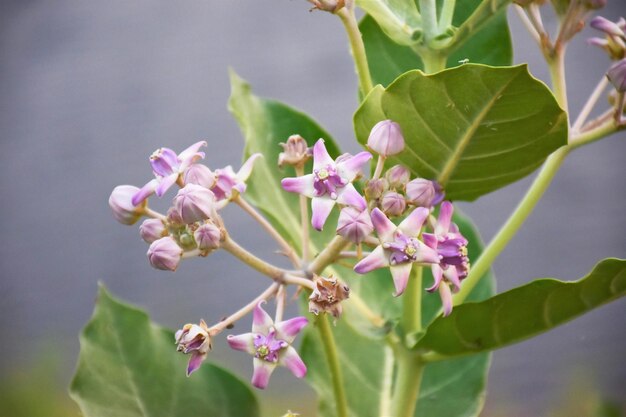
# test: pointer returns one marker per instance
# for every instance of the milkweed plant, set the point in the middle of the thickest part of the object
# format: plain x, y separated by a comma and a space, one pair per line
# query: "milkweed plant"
394, 285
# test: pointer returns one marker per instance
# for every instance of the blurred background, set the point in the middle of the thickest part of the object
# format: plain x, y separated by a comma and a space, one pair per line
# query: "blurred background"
88, 89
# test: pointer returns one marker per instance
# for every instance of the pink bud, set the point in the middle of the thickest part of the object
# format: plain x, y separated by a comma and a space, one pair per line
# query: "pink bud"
424, 193
393, 204
386, 138
201, 175
295, 151
165, 254
354, 225
398, 176
195, 203
123, 209
208, 237
151, 230
375, 188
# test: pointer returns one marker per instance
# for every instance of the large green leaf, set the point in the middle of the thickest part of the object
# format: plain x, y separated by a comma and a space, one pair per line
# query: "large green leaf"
264, 125
451, 388
489, 43
399, 19
473, 128
524, 312
129, 367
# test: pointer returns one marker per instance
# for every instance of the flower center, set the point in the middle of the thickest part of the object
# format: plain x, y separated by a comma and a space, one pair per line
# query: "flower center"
262, 351
410, 250
326, 181
322, 174
403, 249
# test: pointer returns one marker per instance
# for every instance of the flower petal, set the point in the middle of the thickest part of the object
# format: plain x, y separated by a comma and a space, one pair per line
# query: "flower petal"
400, 274
351, 167
293, 362
445, 215
301, 185
243, 342
321, 158
412, 225
246, 168
426, 254
437, 275
287, 330
145, 192
377, 259
384, 227
430, 240
166, 183
452, 276
320, 210
262, 372
195, 361
349, 196
446, 298
261, 321
191, 154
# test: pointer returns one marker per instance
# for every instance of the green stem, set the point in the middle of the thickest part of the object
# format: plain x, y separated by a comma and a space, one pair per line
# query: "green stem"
412, 303
346, 14
512, 225
410, 369
447, 13
593, 135
330, 349
251, 260
428, 10
434, 61
556, 66
328, 255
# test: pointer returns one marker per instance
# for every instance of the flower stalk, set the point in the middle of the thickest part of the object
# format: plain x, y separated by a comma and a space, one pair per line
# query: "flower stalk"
348, 18
332, 356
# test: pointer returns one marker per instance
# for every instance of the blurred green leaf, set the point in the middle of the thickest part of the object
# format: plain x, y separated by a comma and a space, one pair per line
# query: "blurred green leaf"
473, 128
524, 312
129, 367
452, 388
264, 125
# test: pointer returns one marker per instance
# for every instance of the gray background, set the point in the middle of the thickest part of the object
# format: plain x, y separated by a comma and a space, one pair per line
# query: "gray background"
88, 89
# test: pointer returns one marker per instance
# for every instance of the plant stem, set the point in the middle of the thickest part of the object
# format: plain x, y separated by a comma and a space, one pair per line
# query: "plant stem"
434, 61
386, 383
512, 225
251, 260
287, 249
219, 327
406, 392
330, 349
280, 303
304, 221
412, 302
446, 15
556, 65
380, 163
328, 255
592, 135
428, 10
593, 99
348, 18
154, 214
521, 13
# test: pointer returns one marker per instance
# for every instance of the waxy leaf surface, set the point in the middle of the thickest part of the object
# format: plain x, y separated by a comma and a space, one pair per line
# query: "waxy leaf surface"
524, 312
473, 128
452, 388
129, 367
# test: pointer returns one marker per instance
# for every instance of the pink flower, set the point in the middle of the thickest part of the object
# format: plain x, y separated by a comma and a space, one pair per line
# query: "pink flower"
227, 180
194, 339
167, 167
399, 247
270, 344
330, 183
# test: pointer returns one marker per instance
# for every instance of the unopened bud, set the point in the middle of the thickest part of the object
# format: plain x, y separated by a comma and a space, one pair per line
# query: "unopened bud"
295, 152
392, 204
152, 229
201, 175
208, 237
386, 138
398, 176
327, 296
375, 188
120, 202
165, 254
606, 26
424, 193
354, 225
617, 75
195, 203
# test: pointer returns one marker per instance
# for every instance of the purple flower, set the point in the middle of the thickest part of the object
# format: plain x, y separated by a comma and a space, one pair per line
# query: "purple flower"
227, 180
399, 247
195, 203
167, 167
424, 193
194, 339
386, 138
610, 28
614, 42
120, 202
330, 183
270, 344
454, 264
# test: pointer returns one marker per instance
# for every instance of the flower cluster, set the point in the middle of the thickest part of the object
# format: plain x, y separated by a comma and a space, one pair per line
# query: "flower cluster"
614, 43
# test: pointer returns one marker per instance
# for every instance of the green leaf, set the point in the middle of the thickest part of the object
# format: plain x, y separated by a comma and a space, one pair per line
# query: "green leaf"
473, 128
489, 43
129, 367
524, 312
452, 388
264, 125
398, 19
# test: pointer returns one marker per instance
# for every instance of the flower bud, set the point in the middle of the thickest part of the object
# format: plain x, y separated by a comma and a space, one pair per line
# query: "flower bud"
152, 229
123, 209
195, 340
392, 204
617, 75
605, 25
165, 254
386, 138
354, 225
201, 175
195, 203
375, 188
208, 237
295, 152
327, 296
424, 193
398, 176
332, 6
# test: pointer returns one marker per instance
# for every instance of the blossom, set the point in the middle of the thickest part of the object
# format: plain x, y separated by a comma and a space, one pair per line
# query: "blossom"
614, 42
386, 138
327, 296
399, 247
270, 344
167, 167
194, 339
295, 152
330, 183
451, 246
120, 202
227, 180
424, 193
